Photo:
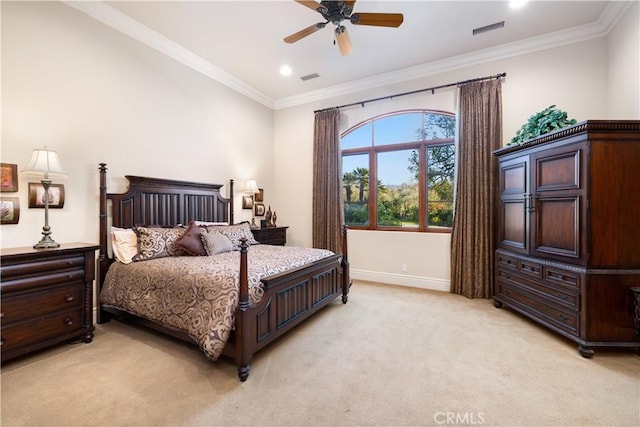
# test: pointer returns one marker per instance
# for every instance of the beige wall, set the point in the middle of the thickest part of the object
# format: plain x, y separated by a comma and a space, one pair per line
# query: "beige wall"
96, 95
577, 78
623, 84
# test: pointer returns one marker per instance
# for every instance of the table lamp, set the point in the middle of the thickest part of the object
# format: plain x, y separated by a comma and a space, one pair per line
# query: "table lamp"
44, 164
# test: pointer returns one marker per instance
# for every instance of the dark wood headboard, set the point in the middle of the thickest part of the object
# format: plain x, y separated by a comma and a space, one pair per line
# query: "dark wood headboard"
160, 202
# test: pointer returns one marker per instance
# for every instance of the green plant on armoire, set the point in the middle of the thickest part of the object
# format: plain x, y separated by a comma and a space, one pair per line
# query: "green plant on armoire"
542, 122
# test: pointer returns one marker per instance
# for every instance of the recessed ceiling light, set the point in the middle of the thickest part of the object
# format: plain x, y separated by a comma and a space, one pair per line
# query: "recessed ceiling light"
514, 4
285, 70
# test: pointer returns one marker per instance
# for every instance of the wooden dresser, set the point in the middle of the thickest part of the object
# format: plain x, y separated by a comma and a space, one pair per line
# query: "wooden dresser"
569, 232
271, 235
47, 297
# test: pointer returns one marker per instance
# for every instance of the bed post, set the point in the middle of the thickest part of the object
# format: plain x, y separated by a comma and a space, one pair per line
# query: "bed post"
346, 279
230, 216
243, 326
103, 262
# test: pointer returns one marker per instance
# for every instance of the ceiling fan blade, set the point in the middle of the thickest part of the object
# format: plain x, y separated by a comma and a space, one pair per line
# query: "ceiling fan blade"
351, 3
377, 19
343, 40
304, 33
310, 4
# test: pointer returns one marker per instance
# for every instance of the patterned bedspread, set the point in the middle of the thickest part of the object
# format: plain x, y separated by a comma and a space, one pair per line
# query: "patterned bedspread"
198, 294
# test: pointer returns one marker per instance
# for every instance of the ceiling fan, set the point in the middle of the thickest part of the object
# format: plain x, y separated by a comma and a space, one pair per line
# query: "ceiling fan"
338, 11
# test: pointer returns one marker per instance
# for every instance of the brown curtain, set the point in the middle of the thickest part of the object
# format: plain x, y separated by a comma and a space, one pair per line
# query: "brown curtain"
473, 234
327, 181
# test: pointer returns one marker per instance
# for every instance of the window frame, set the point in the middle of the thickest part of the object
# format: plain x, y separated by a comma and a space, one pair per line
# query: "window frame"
372, 150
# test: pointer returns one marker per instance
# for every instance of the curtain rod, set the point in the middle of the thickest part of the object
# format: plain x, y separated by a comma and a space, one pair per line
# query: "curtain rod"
432, 89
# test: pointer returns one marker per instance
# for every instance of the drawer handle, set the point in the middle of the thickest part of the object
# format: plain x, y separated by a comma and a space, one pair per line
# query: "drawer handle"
2, 341
68, 321
68, 298
559, 277
563, 317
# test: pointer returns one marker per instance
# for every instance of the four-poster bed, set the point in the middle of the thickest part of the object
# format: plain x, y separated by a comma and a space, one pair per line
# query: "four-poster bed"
266, 300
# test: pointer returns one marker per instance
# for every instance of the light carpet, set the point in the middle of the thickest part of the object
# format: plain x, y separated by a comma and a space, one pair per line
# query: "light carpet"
392, 356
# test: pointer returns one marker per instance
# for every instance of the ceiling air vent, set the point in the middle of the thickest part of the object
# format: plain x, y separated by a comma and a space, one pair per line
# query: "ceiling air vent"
490, 27
309, 77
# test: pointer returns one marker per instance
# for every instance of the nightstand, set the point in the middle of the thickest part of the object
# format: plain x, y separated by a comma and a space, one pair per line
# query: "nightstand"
47, 297
271, 235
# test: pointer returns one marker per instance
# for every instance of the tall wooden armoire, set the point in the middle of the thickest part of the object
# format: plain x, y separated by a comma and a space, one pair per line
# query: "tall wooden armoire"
568, 244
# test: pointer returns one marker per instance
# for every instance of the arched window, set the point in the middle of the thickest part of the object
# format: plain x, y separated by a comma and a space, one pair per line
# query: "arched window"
409, 155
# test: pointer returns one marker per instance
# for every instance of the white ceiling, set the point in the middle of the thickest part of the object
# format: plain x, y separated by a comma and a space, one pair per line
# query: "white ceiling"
240, 42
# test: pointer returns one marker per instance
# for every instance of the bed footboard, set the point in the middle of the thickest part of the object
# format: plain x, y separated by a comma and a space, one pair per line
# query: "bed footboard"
289, 298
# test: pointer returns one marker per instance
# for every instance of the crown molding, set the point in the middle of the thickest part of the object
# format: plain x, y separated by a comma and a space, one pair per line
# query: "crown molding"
134, 29
605, 23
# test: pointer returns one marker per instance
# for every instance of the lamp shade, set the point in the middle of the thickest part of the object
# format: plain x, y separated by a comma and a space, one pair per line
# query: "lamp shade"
44, 162
252, 187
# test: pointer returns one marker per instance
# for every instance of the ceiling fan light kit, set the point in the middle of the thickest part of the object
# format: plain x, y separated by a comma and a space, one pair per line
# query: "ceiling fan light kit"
343, 40
337, 11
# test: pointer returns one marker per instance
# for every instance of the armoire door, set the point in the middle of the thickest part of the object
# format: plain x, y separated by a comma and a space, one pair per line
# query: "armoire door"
558, 197
514, 196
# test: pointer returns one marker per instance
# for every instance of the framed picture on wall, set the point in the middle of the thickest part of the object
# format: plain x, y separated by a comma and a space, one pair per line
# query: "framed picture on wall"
260, 195
258, 209
55, 194
9, 177
9, 210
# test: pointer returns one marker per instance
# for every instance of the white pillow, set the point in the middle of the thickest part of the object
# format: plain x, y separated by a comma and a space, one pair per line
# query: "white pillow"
124, 244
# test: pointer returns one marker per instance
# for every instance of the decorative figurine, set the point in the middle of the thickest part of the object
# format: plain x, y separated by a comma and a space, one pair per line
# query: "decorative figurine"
267, 216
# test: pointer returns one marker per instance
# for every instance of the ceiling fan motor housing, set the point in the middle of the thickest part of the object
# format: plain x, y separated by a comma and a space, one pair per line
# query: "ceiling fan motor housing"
335, 11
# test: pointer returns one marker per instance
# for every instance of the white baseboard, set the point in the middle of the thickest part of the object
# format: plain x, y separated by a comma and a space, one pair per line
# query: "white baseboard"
401, 280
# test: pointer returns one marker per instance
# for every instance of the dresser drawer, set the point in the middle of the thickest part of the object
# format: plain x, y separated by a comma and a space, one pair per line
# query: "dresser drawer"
35, 267
562, 277
20, 306
530, 268
38, 330
551, 314
43, 279
506, 262
555, 294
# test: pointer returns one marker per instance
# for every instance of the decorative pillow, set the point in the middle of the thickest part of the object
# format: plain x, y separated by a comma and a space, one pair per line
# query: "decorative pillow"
157, 242
235, 233
190, 241
216, 243
124, 243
